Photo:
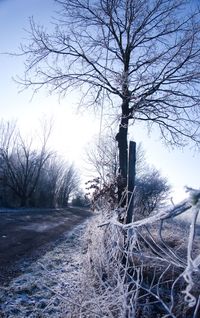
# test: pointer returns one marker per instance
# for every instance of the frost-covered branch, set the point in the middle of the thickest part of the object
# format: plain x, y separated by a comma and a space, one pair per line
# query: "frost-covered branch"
151, 264
163, 215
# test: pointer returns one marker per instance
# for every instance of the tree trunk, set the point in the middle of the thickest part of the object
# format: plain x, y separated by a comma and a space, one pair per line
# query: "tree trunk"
121, 138
131, 181
23, 201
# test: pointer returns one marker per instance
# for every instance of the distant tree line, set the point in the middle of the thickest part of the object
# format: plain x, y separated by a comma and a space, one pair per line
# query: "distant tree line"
81, 200
33, 176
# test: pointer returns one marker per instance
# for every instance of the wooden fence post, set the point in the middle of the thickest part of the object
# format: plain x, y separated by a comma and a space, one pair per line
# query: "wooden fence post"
131, 180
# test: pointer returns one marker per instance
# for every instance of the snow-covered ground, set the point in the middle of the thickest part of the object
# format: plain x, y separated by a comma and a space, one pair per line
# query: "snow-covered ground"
47, 287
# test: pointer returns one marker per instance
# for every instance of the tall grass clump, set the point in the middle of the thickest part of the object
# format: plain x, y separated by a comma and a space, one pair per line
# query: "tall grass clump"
148, 268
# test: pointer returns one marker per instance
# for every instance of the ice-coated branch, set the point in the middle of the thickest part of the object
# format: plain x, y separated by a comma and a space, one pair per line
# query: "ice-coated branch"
149, 246
163, 215
192, 264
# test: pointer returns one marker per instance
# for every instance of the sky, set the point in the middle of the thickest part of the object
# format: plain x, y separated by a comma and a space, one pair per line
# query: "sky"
73, 129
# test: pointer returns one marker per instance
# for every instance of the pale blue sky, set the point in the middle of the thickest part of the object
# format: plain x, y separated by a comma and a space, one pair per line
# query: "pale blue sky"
180, 167
14, 19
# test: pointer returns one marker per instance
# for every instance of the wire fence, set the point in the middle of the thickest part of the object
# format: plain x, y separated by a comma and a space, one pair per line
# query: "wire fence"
147, 268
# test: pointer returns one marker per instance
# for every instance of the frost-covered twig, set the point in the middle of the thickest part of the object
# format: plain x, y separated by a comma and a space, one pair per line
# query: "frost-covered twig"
192, 265
163, 215
143, 250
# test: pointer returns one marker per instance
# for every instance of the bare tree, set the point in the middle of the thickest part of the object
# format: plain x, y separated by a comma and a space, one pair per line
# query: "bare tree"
46, 193
151, 188
151, 193
69, 184
140, 55
102, 158
33, 176
21, 165
58, 181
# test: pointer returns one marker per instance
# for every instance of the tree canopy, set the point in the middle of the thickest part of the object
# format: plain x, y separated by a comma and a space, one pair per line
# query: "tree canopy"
146, 49
140, 57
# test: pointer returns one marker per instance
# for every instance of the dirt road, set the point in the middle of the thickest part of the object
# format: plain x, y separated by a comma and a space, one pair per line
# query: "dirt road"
25, 235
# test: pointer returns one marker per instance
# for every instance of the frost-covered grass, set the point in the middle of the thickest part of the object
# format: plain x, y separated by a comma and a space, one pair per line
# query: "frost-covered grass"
147, 269
49, 285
